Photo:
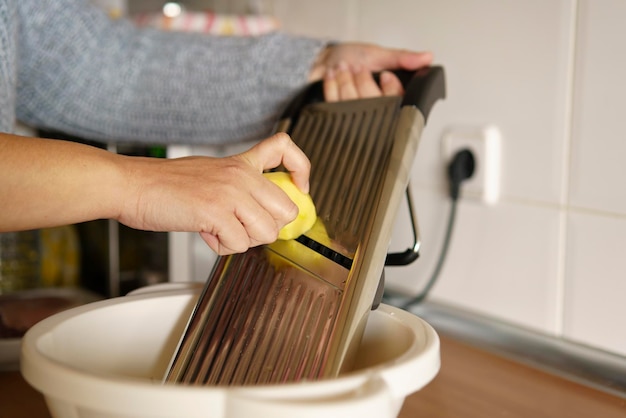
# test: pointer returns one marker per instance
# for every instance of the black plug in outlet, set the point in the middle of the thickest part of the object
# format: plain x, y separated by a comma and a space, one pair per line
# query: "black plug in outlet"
460, 168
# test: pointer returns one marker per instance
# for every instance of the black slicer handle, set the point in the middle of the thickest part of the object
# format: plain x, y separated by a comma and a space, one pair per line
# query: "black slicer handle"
422, 89
312, 93
426, 86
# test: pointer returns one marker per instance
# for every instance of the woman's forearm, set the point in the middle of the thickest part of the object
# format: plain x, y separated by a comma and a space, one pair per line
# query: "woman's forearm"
50, 182
83, 74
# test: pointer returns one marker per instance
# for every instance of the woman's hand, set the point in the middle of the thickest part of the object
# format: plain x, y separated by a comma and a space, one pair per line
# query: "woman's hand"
369, 57
346, 70
227, 200
343, 83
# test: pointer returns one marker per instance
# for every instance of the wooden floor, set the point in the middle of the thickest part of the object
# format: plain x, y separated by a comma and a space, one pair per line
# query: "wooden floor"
471, 383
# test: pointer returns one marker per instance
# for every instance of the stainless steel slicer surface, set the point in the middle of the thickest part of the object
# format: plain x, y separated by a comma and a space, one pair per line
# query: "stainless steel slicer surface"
295, 310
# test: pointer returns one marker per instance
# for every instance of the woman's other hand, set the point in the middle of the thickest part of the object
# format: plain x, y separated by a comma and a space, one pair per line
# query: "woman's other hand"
343, 83
369, 57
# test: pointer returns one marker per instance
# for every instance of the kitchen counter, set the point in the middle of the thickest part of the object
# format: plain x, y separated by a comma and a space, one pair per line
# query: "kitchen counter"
473, 382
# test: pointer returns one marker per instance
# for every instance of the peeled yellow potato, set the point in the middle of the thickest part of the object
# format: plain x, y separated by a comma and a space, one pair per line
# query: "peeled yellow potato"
306, 208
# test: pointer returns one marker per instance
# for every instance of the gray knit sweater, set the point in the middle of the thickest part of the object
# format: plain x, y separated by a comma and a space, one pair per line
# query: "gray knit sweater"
65, 66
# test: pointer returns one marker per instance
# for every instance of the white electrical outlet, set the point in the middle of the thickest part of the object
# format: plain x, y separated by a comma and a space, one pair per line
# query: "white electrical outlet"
484, 142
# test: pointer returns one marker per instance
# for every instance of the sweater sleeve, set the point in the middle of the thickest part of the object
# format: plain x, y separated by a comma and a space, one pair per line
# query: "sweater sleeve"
84, 74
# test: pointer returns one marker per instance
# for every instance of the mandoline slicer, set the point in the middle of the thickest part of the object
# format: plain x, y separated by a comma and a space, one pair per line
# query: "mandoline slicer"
295, 310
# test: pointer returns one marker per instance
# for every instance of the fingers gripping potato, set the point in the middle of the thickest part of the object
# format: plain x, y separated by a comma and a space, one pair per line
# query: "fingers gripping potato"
306, 208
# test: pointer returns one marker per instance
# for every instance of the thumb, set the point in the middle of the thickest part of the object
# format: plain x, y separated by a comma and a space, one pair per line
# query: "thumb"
391, 59
280, 149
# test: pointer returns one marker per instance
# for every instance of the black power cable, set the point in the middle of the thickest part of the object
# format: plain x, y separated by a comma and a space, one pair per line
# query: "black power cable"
460, 168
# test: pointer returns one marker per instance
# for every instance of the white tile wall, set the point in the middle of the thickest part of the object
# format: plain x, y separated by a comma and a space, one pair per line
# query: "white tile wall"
502, 261
327, 19
550, 76
599, 144
596, 281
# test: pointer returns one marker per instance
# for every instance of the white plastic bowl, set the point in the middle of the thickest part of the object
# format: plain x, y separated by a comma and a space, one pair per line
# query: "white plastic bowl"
107, 360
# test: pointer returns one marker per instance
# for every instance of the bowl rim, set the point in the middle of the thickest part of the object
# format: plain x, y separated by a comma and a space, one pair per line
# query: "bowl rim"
48, 375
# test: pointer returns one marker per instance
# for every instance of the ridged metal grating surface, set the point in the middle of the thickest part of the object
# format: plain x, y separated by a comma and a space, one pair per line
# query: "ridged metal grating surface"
270, 315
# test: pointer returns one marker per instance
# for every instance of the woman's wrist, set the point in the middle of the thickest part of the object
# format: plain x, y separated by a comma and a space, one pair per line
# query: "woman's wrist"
320, 66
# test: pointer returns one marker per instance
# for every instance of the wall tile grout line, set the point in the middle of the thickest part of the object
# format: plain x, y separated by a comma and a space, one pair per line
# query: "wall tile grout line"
568, 130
